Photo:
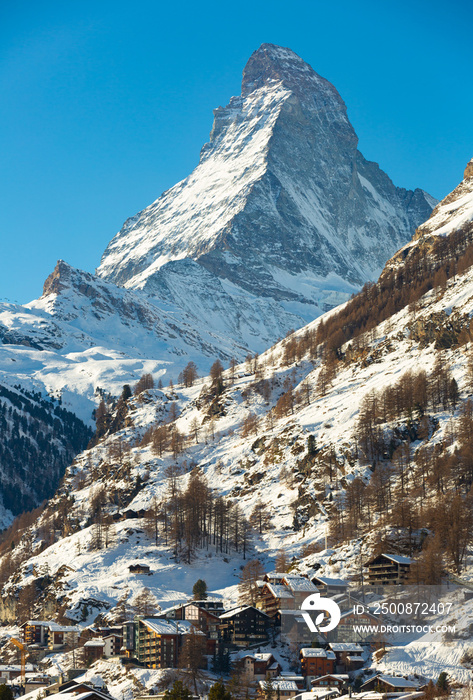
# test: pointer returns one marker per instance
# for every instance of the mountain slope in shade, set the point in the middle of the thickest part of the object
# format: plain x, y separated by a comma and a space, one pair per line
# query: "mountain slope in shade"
282, 204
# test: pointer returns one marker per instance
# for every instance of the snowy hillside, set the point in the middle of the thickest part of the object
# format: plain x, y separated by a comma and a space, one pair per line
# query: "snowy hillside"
328, 454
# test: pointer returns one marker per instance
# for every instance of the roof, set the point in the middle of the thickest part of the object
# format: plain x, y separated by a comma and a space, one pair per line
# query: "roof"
161, 626
397, 558
397, 682
236, 611
313, 653
95, 643
279, 591
337, 676
345, 646
300, 584
54, 627
281, 684
258, 657
331, 581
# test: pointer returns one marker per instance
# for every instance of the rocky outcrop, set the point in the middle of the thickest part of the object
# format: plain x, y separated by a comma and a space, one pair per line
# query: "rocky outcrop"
468, 170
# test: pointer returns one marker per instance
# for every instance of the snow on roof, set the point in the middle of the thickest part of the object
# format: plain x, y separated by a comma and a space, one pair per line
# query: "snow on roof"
331, 581
280, 684
239, 609
298, 583
95, 643
314, 653
337, 676
345, 646
398, 559
398, 682
162, 626
54, 627
279, 591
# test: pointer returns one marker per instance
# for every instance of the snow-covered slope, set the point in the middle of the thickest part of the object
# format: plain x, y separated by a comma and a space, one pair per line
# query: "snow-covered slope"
282, 206
85, 333
251, 444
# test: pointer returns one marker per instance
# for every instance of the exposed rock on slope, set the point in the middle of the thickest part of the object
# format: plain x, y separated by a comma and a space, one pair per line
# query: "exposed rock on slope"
282, 204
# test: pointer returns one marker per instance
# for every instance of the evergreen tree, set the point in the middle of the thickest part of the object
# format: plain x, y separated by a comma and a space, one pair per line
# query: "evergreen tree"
199, 590
219, 692
178, 692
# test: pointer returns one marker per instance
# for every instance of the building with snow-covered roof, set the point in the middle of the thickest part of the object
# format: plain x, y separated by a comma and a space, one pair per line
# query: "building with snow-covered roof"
331, 680
388, 569
389, 684
244, 625
257, 667
46, 633
273, 597
330, 586
316, 662
282, 688
156, 642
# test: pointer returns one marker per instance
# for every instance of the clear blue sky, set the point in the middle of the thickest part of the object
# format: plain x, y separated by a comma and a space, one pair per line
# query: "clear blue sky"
105, 104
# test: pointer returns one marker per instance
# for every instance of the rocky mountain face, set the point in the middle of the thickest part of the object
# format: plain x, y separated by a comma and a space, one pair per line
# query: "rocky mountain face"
282, 205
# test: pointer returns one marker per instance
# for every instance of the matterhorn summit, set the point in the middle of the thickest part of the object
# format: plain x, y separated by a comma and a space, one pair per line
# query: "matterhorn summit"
282, 218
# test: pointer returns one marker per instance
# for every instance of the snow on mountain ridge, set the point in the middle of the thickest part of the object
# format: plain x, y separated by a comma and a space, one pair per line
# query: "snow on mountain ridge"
277, 188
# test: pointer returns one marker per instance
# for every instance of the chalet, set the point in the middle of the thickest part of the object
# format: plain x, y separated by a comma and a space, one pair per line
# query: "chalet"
105, 646
299, 587
294, 628
139, 569
348, 657
317, 662
273, 597
155, 642
94, 650
82, 690
204, 615
300, 681
331, 680
350, 623
388, 570
330, 586
256, 667
282, 688
244, 625
389, 684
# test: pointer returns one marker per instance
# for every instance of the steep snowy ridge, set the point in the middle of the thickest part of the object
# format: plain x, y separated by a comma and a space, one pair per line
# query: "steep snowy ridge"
280, 191
85, 333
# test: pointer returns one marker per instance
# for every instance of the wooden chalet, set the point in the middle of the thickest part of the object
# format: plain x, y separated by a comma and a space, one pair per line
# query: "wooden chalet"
256, 667
331, 680
156, 642
388, 570
243, 626
348, 657
389, 684
317, 662
139, 569
282, 688
330, 586
273, 597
